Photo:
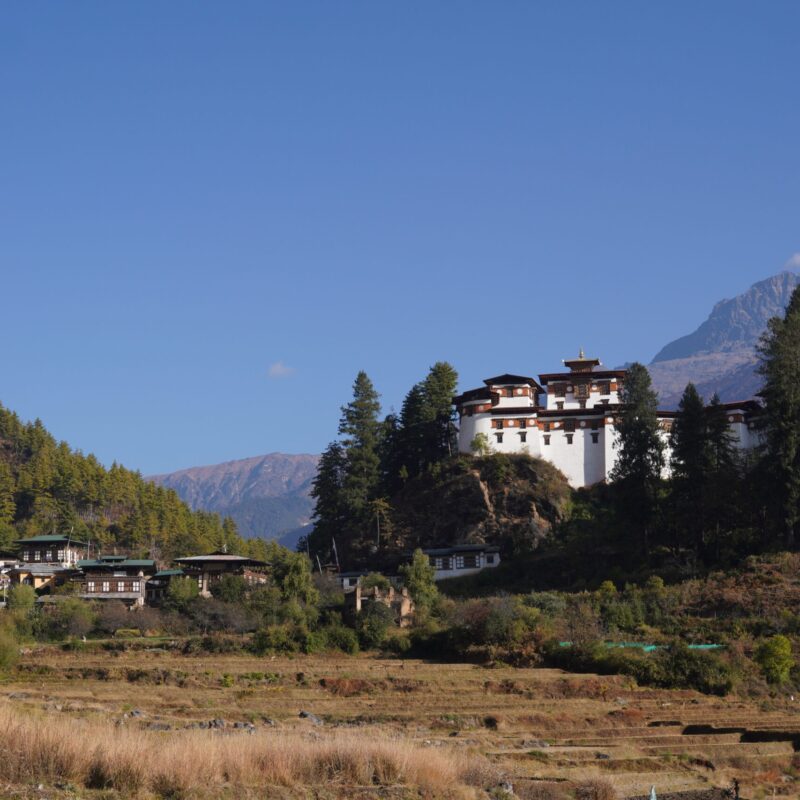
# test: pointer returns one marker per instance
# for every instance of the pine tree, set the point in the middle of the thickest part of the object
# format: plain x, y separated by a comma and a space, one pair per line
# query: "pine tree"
691, 464
640, 458
779, 351
329, 510
725, 496
438, 389
360, 428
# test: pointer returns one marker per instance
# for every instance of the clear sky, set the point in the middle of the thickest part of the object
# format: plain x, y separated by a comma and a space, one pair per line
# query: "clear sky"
212, 215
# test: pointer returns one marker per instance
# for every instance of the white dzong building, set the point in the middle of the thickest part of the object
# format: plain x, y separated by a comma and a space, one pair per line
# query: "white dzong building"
566, 418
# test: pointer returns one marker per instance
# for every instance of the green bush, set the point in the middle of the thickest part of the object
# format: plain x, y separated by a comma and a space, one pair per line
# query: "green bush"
339, 637
774, 657
373, 624
279, 639
9, 649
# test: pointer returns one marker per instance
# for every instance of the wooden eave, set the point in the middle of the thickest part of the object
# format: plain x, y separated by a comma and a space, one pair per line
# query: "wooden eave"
580, 377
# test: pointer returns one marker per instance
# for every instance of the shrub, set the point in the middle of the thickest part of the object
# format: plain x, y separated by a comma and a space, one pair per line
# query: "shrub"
774, 657
9, 649
275, 639
375, 579
21, 598
339, 637
373, 624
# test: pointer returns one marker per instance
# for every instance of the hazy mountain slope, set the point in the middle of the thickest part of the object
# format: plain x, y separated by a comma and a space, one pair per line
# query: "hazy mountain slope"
266, 495
720, 355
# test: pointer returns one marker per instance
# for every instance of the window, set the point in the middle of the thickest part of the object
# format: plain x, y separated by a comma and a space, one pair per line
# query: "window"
604, 387
26, 555
37, 555
106, 586
498, 423
560, 406
547, 427
470, 561
459, 562
582, 390
523, 423
595, 437
60, 555
90, 587
49, 555
523, 436
446, 562
560, 390
499, 437
547, 438
509, 392
490, 558
569, 438
569, 425
136, 586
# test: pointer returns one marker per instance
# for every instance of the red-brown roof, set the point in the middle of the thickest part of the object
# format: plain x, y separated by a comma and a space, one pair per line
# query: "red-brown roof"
571, 377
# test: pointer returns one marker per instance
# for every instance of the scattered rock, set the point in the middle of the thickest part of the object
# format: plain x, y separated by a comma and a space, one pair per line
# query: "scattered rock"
216, 723
602, 756
159, 726
312, 718
136, 713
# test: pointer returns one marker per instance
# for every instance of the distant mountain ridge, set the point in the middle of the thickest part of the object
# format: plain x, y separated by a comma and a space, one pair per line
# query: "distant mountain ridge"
720, 355
267, 496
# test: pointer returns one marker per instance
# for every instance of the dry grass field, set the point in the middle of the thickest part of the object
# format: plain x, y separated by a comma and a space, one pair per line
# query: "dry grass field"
156, 723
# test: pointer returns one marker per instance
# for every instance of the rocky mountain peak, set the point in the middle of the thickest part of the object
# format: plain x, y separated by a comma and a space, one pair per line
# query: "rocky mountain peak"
737, 323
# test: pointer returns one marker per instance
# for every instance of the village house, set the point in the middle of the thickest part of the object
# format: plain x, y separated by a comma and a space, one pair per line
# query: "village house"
462, 559
113, 577
209, 569
46, 561
567, 418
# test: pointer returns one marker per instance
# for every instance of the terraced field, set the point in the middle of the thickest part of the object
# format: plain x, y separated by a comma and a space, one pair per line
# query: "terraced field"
542, 730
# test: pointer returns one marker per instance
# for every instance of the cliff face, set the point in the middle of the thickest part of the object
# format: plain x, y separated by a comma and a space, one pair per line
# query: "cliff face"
720, 355
513, 501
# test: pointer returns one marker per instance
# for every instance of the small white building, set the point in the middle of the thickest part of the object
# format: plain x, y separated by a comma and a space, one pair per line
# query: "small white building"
566, 418
462, 559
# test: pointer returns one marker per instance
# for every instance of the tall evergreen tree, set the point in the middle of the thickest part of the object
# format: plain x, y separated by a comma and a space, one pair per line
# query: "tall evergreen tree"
779, 351
329, 512
438, 389
360, 429
690, 464
640, 459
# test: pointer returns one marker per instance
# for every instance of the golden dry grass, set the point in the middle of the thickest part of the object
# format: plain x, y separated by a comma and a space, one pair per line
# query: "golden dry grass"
98, 755
392, 729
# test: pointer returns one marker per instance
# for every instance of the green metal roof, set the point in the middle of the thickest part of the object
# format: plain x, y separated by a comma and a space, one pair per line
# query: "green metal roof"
166, 573
49, 539
132, 562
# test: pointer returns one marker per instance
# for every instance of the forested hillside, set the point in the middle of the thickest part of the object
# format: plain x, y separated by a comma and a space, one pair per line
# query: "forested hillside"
47, 487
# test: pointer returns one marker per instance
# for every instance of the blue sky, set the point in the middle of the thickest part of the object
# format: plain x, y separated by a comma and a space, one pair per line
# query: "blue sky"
194, 193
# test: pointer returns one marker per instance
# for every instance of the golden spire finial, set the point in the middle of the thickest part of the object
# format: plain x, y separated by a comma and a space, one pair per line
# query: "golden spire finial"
581, 354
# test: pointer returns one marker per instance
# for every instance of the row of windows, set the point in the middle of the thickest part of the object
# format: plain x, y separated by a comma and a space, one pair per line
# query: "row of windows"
37, 555
523, 437
465, 561
500, 424
119, 586
581, 389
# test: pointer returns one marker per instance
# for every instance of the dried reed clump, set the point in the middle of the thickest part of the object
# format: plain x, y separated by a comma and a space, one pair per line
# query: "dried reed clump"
98, 755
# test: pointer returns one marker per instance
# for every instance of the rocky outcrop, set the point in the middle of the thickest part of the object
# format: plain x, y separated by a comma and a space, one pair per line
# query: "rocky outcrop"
720, 355
513, 501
